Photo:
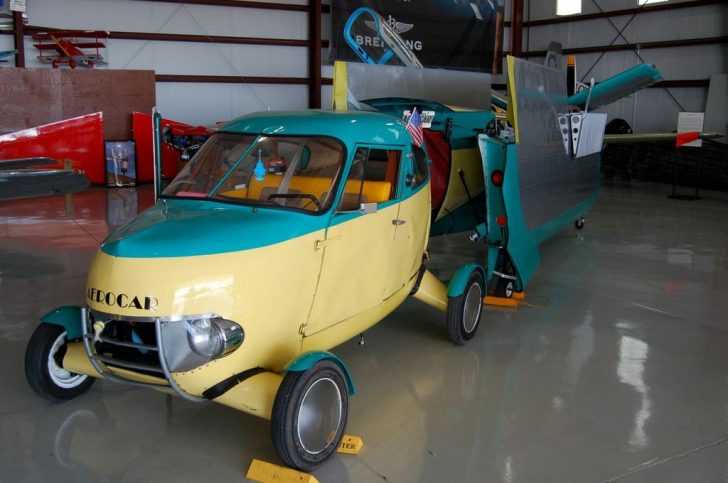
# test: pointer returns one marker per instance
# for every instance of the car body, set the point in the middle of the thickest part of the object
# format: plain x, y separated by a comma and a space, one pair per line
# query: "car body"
287, 234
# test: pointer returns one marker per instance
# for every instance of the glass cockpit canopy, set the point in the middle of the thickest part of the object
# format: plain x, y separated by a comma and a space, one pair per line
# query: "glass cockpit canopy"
297, 173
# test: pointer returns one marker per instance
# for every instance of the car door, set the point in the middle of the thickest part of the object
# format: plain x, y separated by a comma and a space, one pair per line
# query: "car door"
356, 273
413, 220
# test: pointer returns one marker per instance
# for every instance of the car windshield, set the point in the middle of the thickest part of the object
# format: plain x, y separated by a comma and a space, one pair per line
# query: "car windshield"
280, 171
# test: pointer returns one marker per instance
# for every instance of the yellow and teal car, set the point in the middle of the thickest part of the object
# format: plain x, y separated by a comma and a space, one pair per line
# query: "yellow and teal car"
286, 235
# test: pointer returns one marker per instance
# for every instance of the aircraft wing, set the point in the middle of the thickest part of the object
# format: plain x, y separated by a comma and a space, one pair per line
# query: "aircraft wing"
95, 58
21, 163
26, 183
89, 45
101, 34
48, 58
41, 46
617, 86
651, 137
356, 82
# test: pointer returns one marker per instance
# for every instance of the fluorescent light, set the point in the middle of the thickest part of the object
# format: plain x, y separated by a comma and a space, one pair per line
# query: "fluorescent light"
568, 7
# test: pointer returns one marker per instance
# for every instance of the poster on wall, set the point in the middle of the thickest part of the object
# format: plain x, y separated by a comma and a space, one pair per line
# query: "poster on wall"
454, 34
120, 163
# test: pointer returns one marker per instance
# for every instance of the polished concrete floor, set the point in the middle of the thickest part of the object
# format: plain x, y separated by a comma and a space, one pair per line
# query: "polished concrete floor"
615, 369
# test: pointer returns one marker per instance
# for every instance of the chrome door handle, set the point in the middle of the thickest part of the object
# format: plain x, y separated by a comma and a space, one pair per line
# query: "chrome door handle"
398, 222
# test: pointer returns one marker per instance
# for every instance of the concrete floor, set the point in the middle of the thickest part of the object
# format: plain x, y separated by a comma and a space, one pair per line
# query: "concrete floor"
617, 369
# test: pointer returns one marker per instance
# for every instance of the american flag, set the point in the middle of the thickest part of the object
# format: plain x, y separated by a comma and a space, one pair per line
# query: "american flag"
414, 126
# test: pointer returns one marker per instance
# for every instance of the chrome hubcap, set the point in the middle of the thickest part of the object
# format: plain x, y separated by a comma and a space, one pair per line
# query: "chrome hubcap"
471, 309
319, 416
60, 376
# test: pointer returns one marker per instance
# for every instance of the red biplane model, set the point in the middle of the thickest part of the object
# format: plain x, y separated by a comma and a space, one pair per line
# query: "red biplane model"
67, 47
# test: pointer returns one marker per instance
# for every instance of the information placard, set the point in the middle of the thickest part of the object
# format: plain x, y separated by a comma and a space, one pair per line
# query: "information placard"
689, 122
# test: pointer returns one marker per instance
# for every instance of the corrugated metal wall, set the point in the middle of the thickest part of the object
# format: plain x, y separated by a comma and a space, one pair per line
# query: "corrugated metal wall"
200, 103
651, 109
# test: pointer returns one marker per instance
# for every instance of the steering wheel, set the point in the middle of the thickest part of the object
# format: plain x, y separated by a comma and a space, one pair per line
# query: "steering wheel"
296, 196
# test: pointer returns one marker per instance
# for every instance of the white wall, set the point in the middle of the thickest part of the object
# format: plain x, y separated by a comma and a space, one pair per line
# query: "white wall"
650, 109
195, 103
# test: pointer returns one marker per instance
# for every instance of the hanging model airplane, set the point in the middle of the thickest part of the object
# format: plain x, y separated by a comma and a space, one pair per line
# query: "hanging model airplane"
67, 48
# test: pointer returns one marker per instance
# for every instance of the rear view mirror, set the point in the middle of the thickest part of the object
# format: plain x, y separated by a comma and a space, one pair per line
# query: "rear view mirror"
367, 208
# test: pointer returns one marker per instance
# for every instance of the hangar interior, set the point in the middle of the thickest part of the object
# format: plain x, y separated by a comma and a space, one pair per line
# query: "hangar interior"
613, 368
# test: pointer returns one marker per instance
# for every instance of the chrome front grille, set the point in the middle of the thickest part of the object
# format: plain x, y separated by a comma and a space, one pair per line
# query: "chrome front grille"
130, 343
124, 343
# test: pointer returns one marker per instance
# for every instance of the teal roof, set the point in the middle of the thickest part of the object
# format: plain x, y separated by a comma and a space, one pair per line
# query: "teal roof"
348, 126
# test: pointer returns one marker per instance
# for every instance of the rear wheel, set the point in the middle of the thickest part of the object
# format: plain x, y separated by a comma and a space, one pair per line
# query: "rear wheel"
463, 311
44, 365
505, 283
309, 415
504, 287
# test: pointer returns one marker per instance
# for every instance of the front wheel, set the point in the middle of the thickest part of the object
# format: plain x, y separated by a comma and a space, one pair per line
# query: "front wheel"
463, 311
44, 365
309, 415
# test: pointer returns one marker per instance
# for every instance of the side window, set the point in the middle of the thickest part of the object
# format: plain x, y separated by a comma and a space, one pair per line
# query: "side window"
419, 166
372, 178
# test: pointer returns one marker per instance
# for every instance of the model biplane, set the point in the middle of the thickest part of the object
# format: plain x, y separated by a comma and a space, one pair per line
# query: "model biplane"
67, 47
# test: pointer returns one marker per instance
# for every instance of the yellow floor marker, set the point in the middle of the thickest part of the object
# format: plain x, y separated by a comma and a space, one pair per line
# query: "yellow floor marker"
500, 301
350, 444
265, 472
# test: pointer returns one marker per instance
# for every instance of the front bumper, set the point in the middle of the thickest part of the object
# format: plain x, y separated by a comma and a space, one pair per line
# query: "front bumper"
152, 371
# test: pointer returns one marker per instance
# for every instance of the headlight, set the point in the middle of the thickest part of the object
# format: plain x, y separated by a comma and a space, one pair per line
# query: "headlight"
204, 338
195, 341
213, 338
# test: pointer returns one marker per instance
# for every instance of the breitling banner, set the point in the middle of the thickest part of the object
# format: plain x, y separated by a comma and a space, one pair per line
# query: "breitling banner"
455, 34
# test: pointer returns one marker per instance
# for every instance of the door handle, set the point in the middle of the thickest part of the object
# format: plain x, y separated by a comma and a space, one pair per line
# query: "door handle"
398, 222
322, 243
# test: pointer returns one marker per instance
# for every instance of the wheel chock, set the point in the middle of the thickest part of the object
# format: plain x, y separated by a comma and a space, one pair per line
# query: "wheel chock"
350, 445
500, 301
519, 296
265, 472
